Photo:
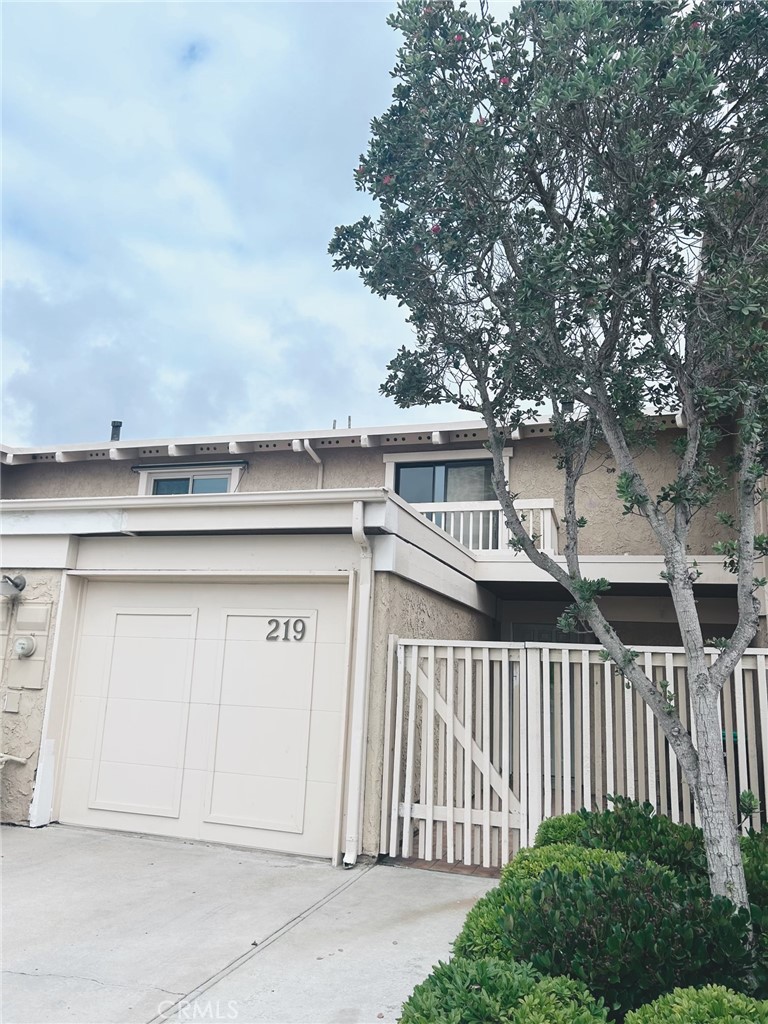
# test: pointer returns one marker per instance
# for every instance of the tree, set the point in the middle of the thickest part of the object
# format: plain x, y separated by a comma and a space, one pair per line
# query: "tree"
573, 208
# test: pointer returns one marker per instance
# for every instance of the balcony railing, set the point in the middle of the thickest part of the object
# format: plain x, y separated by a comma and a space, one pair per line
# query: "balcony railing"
480, 526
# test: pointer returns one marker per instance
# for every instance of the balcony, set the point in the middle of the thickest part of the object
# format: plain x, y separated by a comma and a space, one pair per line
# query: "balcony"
480, 526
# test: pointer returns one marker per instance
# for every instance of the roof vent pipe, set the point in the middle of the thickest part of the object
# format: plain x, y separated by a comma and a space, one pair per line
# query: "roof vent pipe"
116, 425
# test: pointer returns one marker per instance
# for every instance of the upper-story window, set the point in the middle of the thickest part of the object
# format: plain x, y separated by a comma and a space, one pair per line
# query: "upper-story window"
204, 479
429, 482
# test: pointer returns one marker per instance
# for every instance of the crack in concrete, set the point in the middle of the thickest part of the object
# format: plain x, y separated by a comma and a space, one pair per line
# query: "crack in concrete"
94, 981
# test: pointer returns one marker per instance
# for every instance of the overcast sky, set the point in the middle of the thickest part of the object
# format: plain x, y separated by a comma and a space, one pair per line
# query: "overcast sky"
173, 175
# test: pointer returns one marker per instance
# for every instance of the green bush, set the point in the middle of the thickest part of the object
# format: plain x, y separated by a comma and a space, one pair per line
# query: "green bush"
483, 933
529, 863
701, 1006
491, 992
637, 830
565, 828
754, 851
629, 934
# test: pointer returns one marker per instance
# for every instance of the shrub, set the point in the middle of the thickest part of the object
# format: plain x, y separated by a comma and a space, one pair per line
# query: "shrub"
754, 850
701, 1006
529, 863
629, 934
637, 830
483, 933
491, 992
565, 828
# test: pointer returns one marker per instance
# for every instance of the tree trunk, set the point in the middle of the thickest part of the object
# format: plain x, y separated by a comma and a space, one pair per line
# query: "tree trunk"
718, 822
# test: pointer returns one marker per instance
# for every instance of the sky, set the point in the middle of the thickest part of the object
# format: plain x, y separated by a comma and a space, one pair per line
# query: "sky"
173, 175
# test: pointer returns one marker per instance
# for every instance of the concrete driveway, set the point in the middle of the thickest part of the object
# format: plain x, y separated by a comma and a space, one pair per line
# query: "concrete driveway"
100, 927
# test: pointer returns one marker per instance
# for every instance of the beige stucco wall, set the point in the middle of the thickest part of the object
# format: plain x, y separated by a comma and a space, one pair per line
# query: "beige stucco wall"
407, 610
534, 475
25, 680
69, 480
270, 471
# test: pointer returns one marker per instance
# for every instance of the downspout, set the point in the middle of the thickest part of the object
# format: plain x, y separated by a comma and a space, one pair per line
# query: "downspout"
313, 454
359, 689
305, 446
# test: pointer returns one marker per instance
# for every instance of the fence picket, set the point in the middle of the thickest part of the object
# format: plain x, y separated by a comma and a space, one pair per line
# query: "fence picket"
506, 742
468, 760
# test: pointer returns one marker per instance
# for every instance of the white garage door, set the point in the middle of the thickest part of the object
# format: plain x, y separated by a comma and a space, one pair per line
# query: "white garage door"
209, 711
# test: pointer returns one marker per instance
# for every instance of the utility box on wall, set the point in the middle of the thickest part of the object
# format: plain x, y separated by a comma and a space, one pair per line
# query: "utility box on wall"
29, 642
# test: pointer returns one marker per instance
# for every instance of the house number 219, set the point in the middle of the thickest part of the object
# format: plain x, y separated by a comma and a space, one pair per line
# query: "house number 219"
287, 629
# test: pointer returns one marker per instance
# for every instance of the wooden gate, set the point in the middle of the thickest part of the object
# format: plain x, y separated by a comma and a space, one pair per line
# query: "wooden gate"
486, 739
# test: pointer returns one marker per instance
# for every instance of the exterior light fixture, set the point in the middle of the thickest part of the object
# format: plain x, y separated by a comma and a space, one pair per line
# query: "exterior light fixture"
12, 586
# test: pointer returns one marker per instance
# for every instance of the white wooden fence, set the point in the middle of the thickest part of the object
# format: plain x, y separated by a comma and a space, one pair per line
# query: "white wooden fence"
483, 740
480, 525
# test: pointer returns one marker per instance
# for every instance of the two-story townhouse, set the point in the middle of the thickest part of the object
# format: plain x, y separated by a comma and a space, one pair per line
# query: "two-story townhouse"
202, 647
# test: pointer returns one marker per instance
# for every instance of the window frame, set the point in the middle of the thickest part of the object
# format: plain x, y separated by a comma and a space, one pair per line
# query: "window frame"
392, 461
189, 471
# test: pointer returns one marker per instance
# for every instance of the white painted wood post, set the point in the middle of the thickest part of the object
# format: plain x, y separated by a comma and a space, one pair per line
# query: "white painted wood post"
468, 758
410, 751
398, 754
586, 732
506, 743
546, 731
534, 771
387, 767
450, 741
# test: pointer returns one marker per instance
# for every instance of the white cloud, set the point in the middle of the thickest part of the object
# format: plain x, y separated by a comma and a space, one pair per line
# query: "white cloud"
173, 175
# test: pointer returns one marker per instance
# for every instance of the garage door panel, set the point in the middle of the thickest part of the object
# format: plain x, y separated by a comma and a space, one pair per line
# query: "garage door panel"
136, 789
325, 738
206, 677
328, 678
263, 674
151, 669
320, 807
278, 626
92, 672
262, 741
254, 801
159, 625
87, 717
145, 732
201, 737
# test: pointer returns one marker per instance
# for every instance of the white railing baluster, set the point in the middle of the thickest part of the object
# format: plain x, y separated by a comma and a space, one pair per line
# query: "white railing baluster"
468, 521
